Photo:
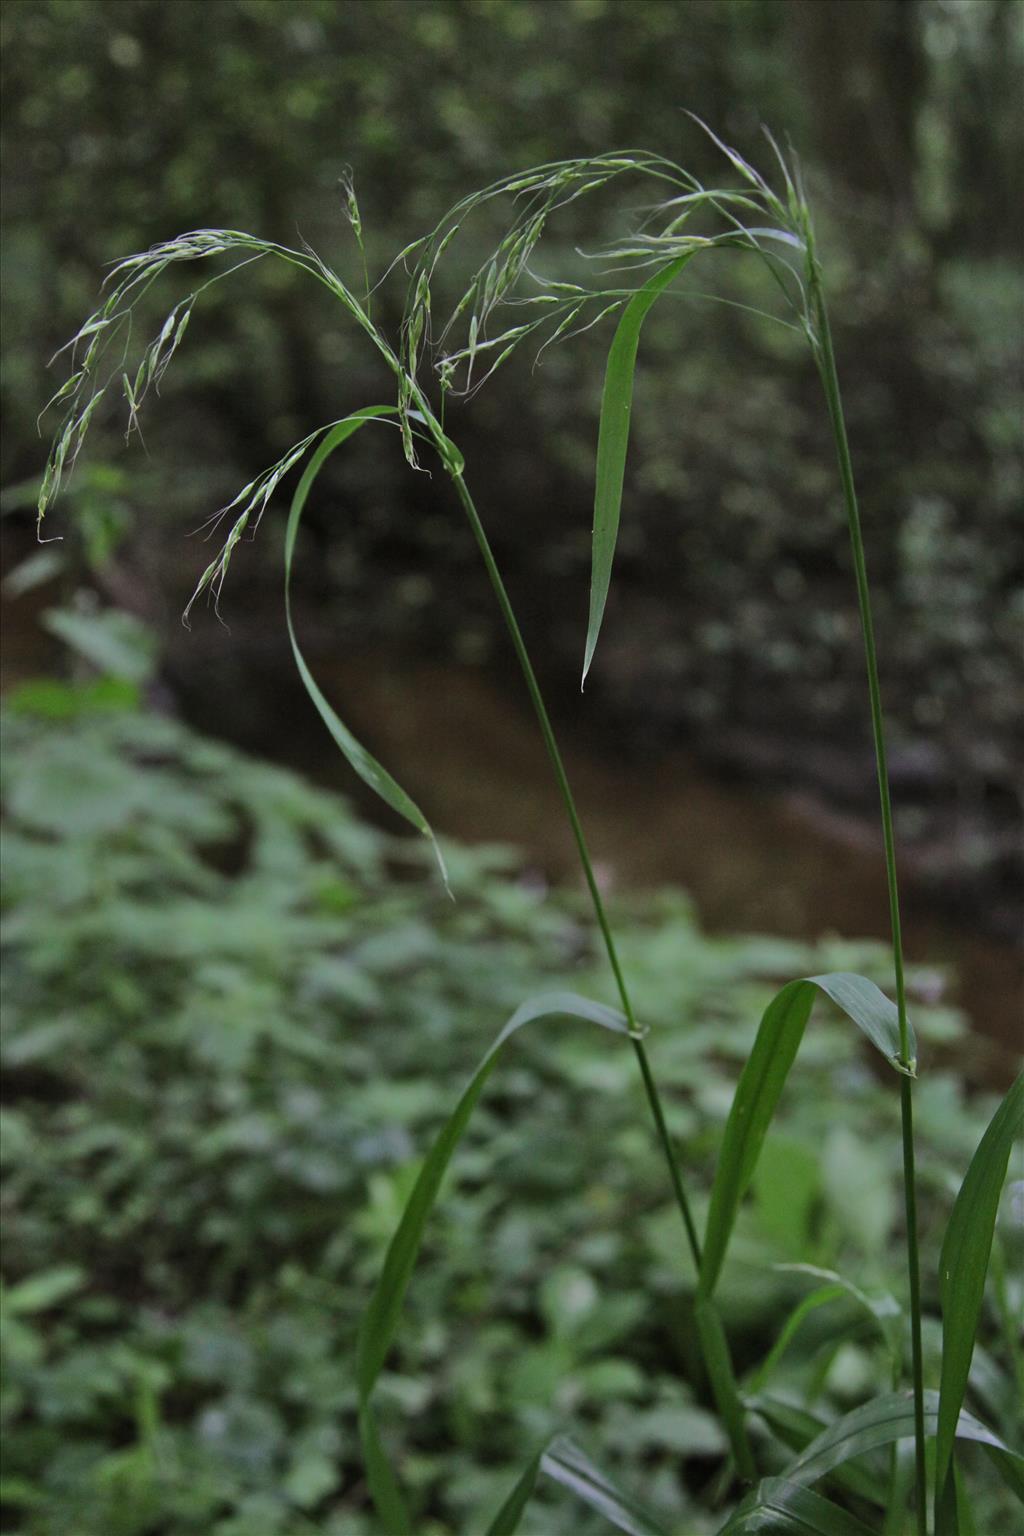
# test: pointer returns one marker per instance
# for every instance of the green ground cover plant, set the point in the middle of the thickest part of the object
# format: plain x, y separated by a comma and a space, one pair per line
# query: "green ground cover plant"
507, 302
233, 1016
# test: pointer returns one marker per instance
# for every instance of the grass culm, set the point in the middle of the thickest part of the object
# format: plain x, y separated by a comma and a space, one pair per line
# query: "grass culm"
503, 306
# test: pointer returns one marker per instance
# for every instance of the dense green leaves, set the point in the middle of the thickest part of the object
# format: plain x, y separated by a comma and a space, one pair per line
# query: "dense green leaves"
224, 1015
963, 1265
613, 440
761, 1082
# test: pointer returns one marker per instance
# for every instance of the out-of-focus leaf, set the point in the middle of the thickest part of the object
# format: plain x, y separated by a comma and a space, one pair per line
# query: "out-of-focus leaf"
115, 643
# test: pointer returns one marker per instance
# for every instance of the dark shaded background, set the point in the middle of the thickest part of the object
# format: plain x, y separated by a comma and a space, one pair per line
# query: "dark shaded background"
732, 629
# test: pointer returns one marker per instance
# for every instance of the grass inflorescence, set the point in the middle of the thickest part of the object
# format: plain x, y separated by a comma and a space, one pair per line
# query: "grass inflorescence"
507, 303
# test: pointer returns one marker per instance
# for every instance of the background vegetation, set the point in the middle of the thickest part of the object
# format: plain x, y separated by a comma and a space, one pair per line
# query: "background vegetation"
233, 1017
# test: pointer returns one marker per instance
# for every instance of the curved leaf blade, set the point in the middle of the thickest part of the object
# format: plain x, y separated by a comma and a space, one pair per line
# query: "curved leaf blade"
797, 1428
963, 1265
882, 1307
872, 1012
567, 1465
613, 440
365, 765
380, 1320
779, 1506
881, 1422
819, 1298
761, 1082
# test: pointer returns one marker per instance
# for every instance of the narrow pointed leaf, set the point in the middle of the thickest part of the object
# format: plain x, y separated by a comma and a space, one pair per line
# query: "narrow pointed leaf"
365, 765
380, 1320
761, 1082
506, 1521
963, 1265
387, 1497
779, 1506
819, 1298
567, 1465
613, 440
882, 1306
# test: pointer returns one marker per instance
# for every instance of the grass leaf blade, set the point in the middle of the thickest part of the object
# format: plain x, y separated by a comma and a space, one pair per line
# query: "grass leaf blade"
365, 765
882, 1421
757, 1093
718, 1362
567, 1465
963, 1265
780, 1506
506, 1521
761, 1082
819, 1298
380, 1320
613, 440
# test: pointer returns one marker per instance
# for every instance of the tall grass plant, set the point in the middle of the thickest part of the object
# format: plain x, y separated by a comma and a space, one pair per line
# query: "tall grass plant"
506, 304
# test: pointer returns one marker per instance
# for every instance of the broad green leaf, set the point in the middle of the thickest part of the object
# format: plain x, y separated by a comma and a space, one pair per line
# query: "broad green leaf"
613, 440
365, 765
777, 1505
963, 1265
566, 1464
380, 1319
761, 1082
882, 1421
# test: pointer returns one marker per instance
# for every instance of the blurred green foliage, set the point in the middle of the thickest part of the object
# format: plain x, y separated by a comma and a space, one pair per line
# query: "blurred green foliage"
233, 1016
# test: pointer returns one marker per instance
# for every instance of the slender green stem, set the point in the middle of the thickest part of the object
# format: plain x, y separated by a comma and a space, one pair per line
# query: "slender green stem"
540, 709
741, 1445
830, 380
